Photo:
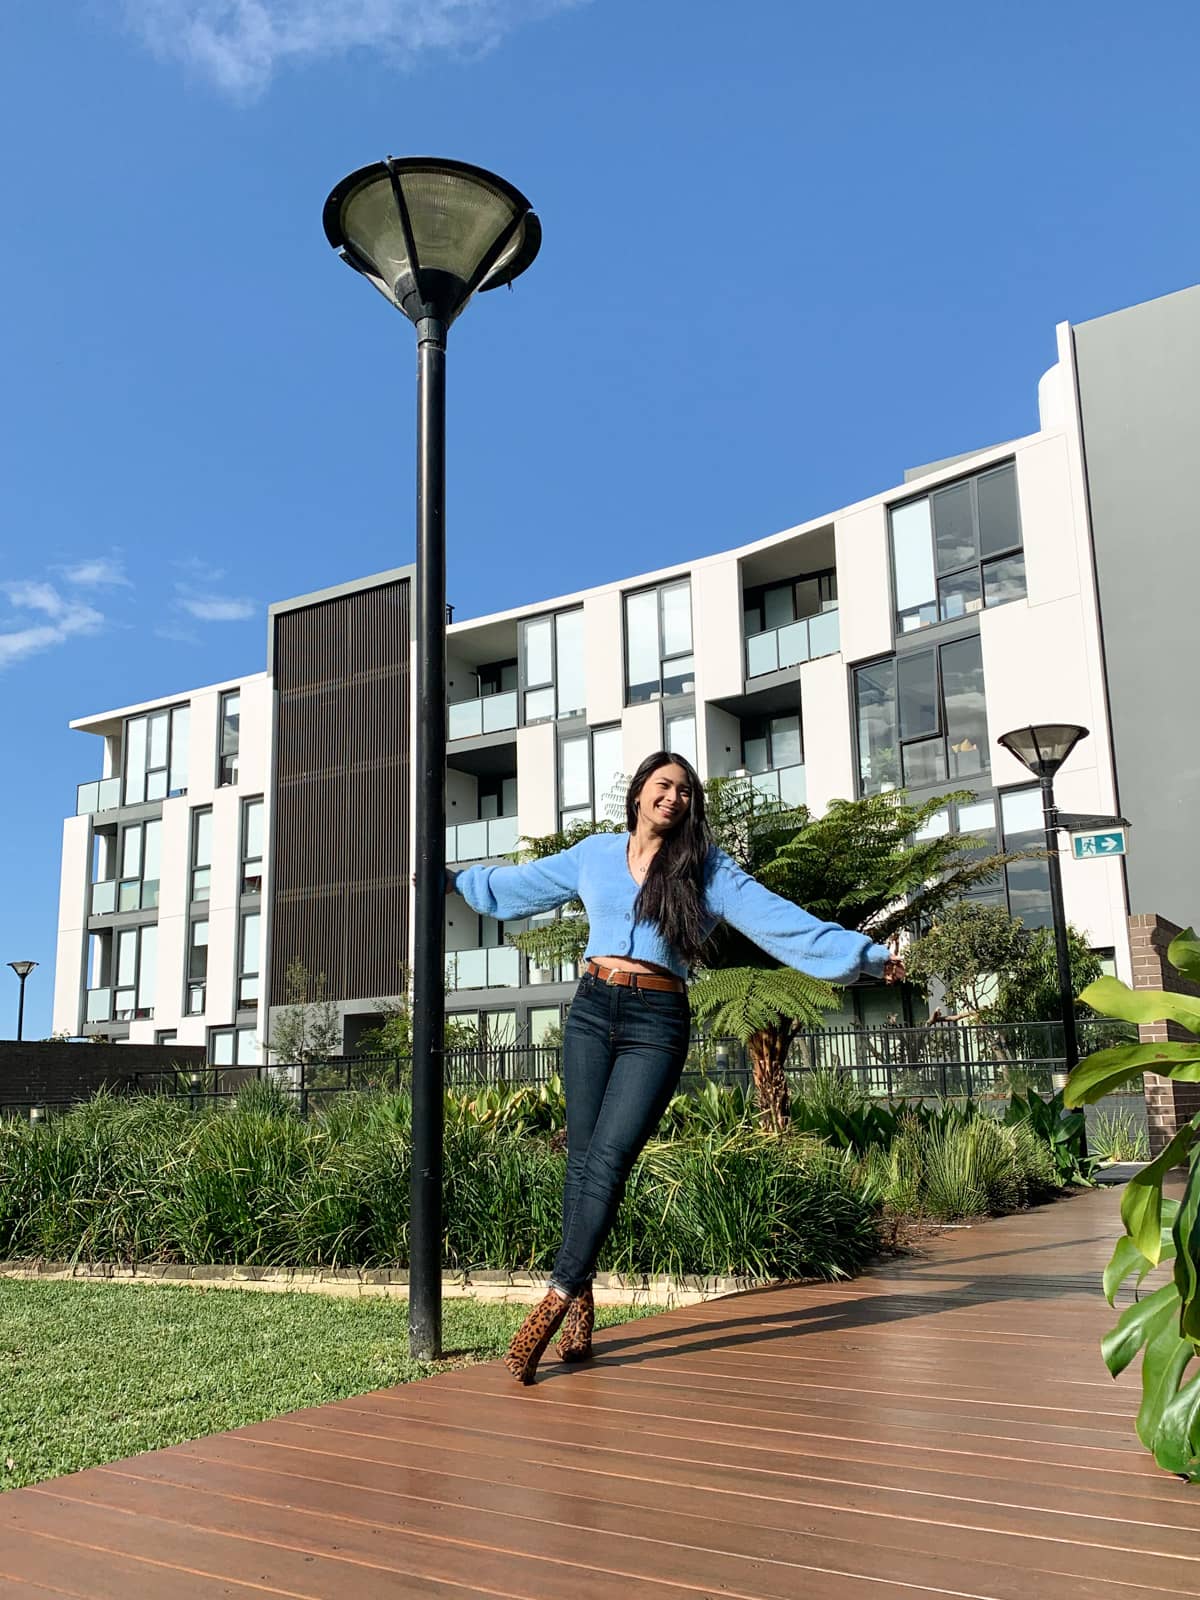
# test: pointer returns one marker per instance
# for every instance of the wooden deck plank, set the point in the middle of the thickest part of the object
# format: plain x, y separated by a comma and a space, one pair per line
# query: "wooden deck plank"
941, 1426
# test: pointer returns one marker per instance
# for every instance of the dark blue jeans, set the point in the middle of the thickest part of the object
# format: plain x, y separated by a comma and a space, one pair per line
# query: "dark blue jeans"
623, 1052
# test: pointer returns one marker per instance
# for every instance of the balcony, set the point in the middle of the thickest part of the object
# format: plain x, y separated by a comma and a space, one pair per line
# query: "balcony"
490, 713
782, 783
792, 644
496, 968
125, 894
115, 1005
477, 841
103, 795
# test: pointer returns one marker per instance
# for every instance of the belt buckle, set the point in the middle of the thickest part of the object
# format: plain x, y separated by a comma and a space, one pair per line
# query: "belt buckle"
614, 978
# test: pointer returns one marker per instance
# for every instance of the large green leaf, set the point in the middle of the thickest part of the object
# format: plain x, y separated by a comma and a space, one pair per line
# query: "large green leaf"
1112, 998
1128, 1259
1177, 1439
1186, 1234
1141, 1204
1167, 1358
1101, 1073
1184, 954
1137, 1323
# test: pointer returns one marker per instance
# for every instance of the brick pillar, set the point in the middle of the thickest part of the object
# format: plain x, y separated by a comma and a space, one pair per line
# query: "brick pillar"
1168, 1104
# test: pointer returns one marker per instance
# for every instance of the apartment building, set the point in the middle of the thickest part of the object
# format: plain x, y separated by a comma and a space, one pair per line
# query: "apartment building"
883, 645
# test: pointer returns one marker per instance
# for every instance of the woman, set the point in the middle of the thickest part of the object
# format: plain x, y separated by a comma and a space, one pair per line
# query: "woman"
652, 896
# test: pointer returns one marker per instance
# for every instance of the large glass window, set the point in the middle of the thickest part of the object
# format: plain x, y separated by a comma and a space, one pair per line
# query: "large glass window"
252, 846
123, 972
229, 738
135, 884
197, 966
658, 642
233, 1047
1028, 881
681, 737
769, 743
248, 966
958, 550
591, 780
156, 755
202, 826
922, 718
552, 663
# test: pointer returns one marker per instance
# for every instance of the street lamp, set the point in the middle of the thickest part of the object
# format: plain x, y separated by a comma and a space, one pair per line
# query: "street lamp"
22, 970
428, 234
1043, 749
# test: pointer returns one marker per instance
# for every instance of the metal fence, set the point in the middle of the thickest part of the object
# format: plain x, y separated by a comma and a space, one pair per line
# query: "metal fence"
939, 1060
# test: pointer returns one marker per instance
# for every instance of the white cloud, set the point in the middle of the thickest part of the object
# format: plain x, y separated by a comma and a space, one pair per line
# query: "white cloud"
100, 572
65, 617
216, 607
239, 44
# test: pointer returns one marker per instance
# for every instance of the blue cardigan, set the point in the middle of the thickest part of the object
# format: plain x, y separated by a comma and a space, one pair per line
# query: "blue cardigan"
596, 871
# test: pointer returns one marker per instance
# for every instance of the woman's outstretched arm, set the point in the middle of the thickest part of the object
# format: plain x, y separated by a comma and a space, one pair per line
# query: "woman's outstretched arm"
507, 893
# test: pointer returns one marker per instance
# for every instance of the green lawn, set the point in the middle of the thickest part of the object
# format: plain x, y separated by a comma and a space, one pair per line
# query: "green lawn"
93, 1372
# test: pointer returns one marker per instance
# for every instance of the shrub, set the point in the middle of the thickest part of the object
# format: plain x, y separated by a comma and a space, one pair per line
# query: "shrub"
960, 1166
1119, 1136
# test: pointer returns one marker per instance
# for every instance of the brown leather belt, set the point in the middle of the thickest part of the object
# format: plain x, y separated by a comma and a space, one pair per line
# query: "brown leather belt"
635, 980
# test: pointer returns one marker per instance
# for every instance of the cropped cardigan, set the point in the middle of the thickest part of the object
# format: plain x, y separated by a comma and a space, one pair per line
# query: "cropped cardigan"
596, 871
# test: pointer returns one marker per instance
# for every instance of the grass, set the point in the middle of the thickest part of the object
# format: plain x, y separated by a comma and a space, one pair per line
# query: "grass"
91, 1373
1119, 1136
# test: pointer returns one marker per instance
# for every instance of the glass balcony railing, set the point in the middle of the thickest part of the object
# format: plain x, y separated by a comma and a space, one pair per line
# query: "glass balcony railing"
496, 968
792, 644
124, 894
491, 713
782, 783
103, 795
115, 1005
476, 841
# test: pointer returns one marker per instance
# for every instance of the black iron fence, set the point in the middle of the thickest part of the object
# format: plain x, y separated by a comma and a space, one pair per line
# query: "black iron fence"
939, 1060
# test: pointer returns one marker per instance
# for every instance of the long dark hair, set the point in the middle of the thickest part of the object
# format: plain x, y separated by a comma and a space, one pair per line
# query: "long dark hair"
673, 894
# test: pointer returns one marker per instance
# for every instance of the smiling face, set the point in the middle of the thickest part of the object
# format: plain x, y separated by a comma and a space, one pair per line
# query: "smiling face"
664, 798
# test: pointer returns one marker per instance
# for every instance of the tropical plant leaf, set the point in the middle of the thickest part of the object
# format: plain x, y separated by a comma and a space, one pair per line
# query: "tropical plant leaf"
741, 1001
1177, 1438
1184, 954
1112, 998
1099, 1074
1186, 1235
1128, 1259
1142, 1202
1167, 1358
1136, 1324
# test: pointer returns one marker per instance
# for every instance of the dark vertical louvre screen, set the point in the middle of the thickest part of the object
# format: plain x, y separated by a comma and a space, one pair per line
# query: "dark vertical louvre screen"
340, 813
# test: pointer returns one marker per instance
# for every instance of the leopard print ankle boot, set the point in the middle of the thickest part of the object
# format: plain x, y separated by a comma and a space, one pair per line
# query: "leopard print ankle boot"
575, 1341
534, 1334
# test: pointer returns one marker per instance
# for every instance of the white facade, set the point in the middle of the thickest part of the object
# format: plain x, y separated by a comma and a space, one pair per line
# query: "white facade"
692, 668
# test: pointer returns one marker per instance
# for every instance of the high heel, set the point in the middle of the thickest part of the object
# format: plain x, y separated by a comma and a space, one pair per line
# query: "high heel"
575, 1341
534, 1334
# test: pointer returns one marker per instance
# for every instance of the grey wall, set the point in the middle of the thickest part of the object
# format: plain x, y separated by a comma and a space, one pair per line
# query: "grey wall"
1139, 390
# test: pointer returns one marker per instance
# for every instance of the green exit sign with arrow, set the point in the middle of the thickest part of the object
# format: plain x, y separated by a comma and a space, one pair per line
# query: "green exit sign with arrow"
1098, 846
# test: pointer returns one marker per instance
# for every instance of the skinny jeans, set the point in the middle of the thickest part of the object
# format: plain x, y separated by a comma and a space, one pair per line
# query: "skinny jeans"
623, 1054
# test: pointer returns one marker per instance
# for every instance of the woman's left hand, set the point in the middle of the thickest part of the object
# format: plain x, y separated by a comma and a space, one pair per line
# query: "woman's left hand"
893, 970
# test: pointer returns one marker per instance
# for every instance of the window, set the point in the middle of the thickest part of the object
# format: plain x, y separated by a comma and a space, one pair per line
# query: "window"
769, 743
229, 738
552, 664
197, 967
252, 846
131, 860
497, 798
165, 1036
958, 550
248, 965
922, 718
201, 886
1028, 882
543, 1023
658, 642
233, 1047
136, 973
156, 755
681, 737
591, 779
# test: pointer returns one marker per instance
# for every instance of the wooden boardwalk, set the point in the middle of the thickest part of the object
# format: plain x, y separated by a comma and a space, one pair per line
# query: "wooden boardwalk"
942, 1427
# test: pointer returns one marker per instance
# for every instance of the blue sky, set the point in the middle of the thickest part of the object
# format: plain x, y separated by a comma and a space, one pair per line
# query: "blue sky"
789, 250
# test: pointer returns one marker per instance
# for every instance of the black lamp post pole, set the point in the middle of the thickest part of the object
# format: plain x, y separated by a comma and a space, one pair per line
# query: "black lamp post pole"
21, 1008
1062, 950
429, 1000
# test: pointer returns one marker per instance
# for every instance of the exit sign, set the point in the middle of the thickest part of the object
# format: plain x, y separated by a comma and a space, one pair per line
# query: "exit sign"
1097, 846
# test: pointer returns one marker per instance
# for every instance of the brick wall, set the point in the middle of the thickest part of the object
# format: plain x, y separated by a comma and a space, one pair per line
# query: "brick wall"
49, 1071
1168, 1104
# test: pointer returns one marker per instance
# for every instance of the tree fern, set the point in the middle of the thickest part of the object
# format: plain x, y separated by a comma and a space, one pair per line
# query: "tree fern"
739, 1002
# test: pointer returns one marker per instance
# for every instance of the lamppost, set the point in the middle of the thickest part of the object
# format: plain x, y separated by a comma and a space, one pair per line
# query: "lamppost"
427, 234
1043, 749
22, 970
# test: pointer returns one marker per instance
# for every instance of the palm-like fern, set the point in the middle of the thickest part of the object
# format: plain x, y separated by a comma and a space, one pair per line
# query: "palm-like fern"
738, 1002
